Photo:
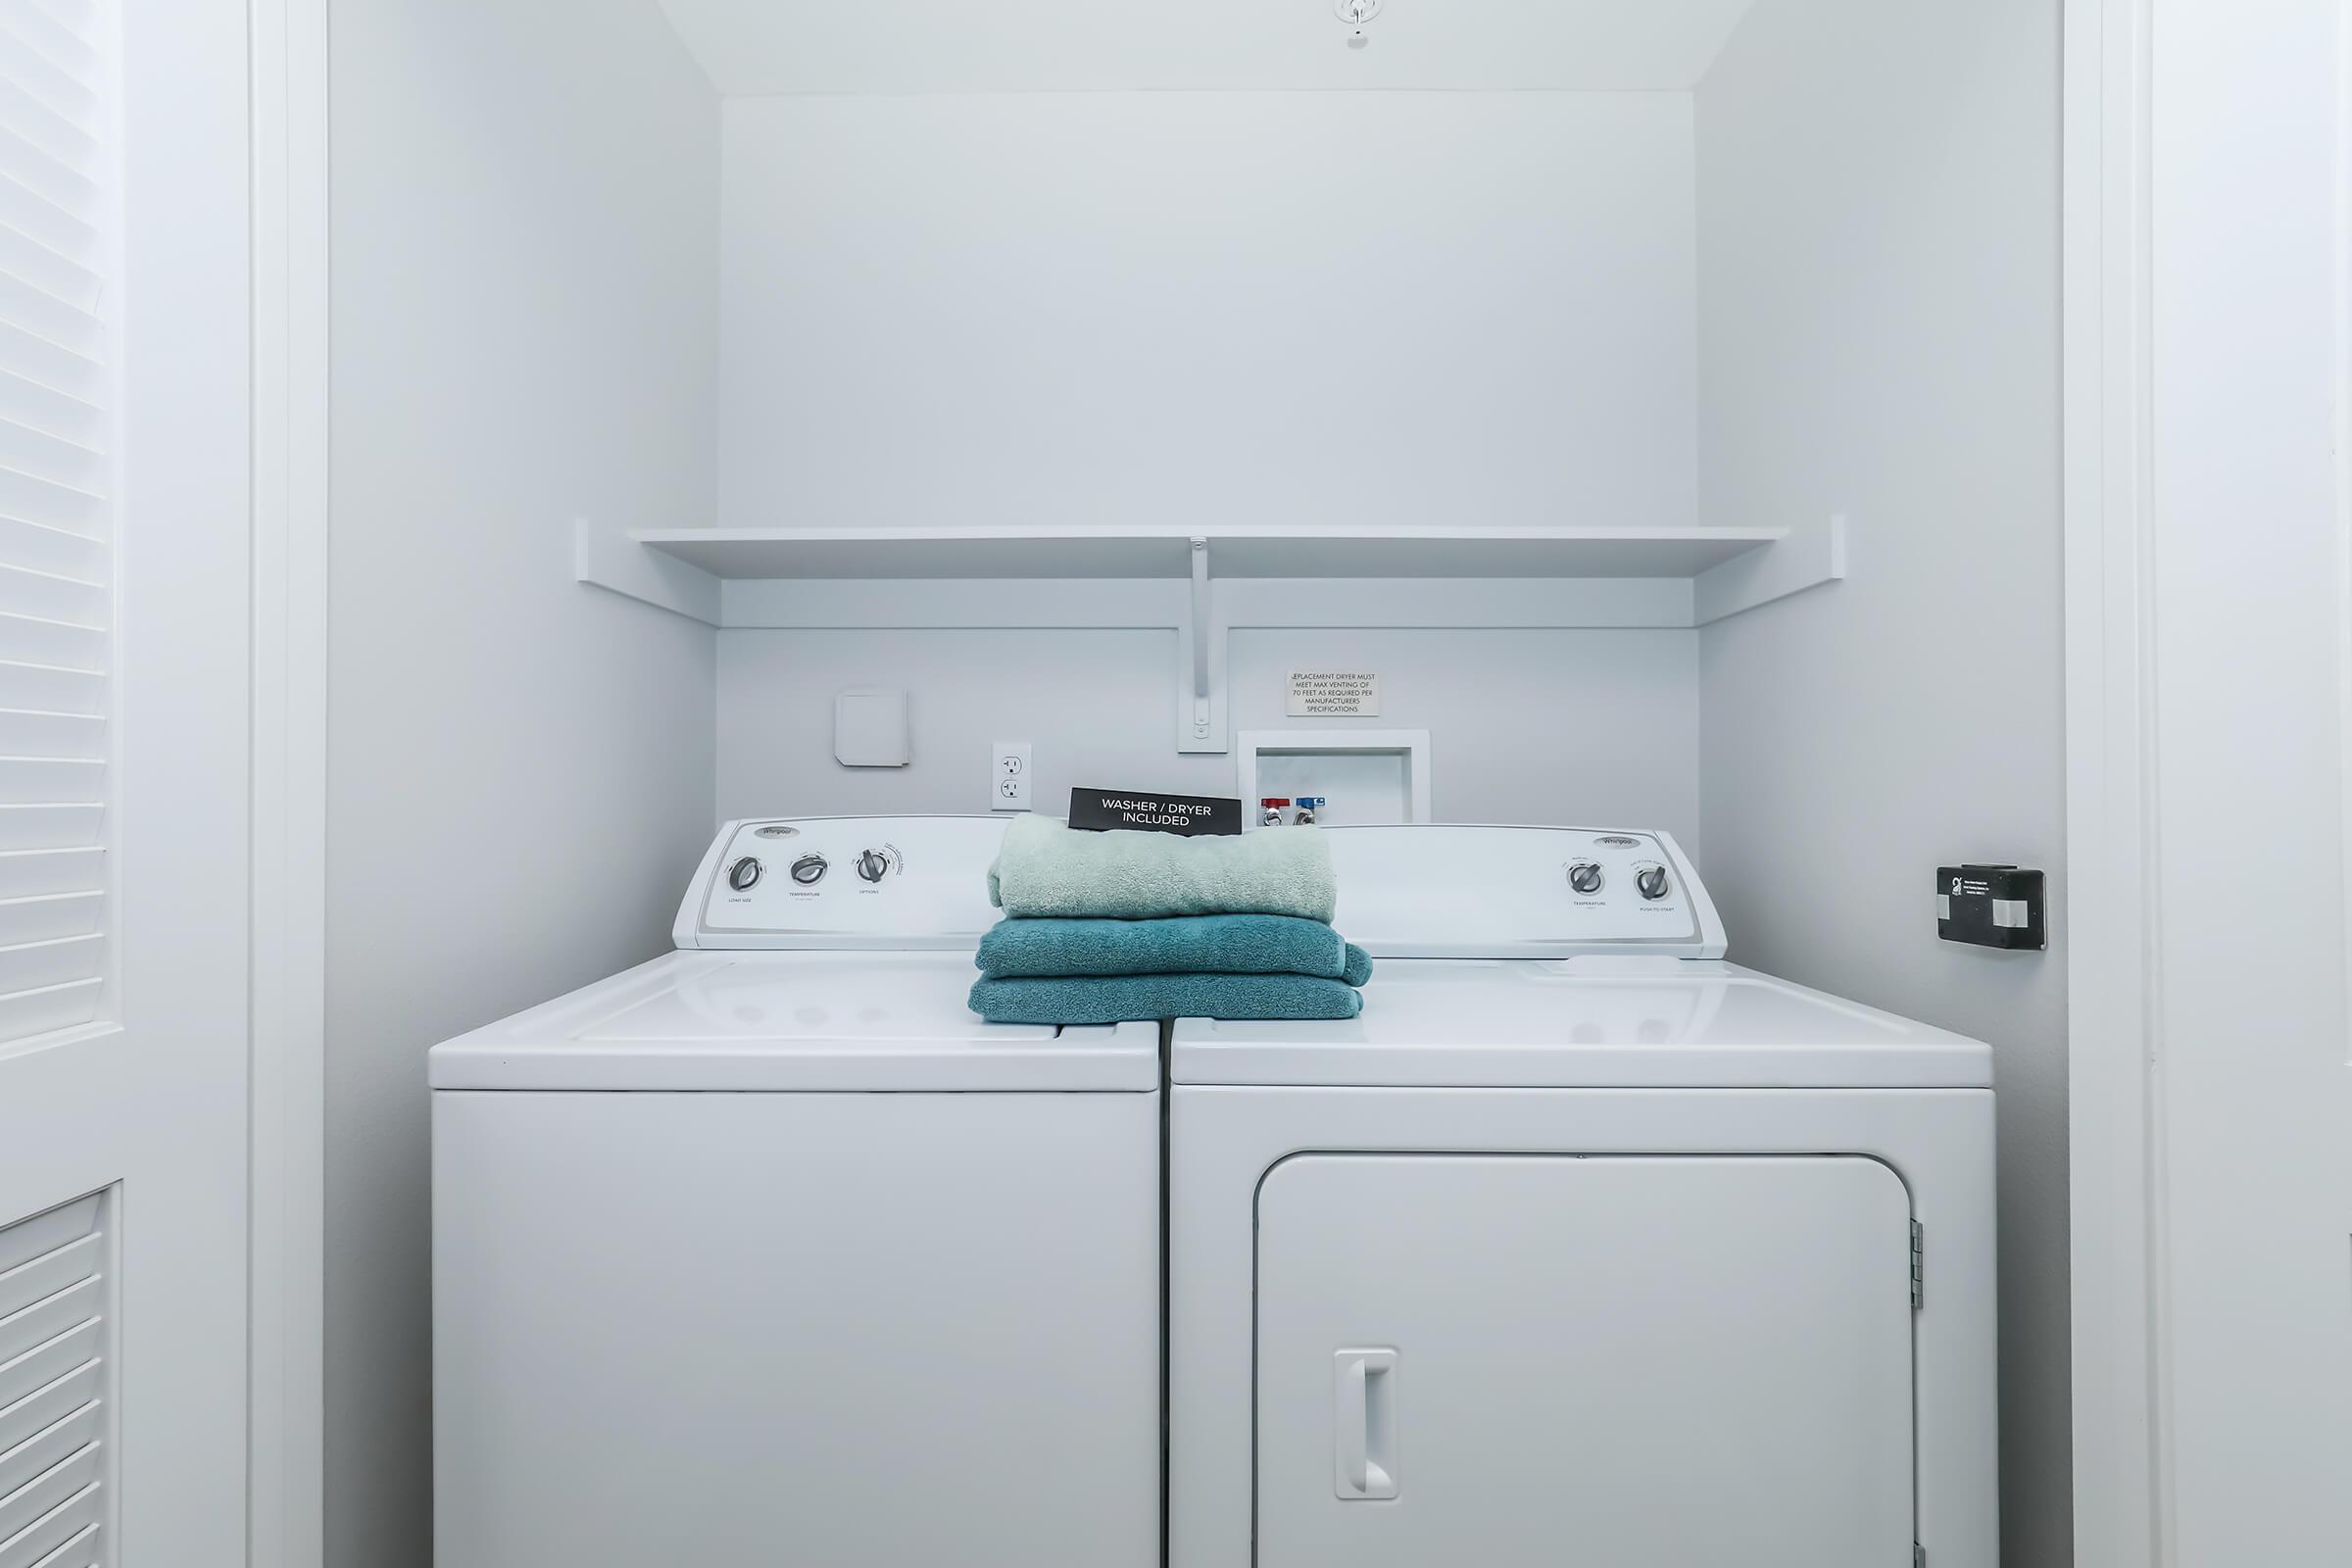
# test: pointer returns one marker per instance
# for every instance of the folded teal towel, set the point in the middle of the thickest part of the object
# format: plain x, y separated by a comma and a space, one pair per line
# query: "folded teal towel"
1048, 870
1191, 944
1121, 999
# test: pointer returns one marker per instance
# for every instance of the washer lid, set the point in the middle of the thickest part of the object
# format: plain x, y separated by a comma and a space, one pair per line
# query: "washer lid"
1596, 1023
753, 1021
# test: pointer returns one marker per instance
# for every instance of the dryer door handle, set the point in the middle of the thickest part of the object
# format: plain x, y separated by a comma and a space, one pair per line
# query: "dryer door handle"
1363, 1420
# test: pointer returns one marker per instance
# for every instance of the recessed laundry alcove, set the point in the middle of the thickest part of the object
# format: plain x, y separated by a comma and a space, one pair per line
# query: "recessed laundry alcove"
1659, 396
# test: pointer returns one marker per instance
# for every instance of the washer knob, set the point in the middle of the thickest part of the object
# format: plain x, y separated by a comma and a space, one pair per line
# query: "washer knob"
744, 874
1650, 881
808, 869
873, 865
1585, 877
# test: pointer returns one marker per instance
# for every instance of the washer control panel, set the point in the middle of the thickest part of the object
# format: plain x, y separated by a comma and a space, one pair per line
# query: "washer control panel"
843, 881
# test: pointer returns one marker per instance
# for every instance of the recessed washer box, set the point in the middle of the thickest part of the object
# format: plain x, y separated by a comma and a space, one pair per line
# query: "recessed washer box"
1366, 777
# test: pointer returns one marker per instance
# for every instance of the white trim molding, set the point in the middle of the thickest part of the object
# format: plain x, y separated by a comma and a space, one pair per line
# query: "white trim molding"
2115, 1031
286, 1430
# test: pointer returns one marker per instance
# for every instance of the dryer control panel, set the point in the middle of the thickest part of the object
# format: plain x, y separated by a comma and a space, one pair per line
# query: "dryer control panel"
1426, 889
879, 882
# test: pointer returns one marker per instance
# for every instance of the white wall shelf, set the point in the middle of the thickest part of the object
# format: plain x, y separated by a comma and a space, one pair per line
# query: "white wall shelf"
1203, 583
1124, 552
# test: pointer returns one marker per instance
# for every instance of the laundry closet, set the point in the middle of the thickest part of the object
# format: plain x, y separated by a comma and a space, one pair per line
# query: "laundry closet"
1648, 412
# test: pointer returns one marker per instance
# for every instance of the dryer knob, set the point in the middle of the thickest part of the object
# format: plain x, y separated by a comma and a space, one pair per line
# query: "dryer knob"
873, 865
1650, 880
808, 869
1585, 877
744, 874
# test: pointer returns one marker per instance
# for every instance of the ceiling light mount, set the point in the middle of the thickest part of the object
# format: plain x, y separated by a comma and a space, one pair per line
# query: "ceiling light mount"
1355, 12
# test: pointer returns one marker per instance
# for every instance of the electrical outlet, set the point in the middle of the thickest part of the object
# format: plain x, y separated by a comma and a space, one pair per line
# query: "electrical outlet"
1009, 777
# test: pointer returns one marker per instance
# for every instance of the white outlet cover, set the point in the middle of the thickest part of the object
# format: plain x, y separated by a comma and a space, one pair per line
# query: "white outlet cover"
1008, 776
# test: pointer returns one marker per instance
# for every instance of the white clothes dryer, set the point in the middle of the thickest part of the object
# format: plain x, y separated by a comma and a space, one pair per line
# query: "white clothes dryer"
1579, 1244
769, 1251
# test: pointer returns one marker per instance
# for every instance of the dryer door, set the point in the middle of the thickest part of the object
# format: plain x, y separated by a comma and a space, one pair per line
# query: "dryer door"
1551, 1360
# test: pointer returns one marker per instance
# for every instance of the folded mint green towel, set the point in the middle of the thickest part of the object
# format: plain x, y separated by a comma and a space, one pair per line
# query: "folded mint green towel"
1048, 870
1191, 943
1122, 999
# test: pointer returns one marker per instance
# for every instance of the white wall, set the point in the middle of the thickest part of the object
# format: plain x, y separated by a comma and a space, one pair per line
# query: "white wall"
1526, 725
524, 232
1165, 308
1877, 199
1381, 307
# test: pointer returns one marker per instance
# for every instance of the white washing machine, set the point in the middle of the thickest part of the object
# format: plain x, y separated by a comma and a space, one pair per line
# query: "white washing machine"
769, 1252
1579, 1244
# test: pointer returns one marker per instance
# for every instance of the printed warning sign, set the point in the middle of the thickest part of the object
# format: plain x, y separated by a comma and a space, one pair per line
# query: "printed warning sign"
1334, 694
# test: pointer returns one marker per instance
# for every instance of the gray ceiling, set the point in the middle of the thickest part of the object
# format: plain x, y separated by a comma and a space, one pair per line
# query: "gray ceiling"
752, 47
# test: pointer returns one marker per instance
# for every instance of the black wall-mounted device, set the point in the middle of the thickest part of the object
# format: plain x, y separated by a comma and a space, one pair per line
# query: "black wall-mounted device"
1990, 906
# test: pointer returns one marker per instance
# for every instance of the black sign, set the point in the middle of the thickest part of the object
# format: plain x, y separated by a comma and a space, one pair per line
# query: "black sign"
1104, 810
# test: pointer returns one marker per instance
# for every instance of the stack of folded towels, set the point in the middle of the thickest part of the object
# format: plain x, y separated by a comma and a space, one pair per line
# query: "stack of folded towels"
1110, 927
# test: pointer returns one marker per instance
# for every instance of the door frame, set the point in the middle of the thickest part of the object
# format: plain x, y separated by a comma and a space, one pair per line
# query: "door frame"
287, 1416
2115, 1021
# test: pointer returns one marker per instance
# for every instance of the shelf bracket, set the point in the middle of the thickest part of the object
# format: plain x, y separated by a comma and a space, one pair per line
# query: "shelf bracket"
609, 558
1813, 554
1201, 666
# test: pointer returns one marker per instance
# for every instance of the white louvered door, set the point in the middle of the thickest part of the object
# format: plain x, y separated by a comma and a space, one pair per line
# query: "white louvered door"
124, 788
57, 404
